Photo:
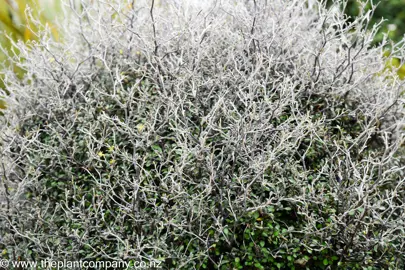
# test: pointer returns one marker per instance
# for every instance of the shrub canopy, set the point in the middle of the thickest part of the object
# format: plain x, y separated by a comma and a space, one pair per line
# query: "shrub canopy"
206, 134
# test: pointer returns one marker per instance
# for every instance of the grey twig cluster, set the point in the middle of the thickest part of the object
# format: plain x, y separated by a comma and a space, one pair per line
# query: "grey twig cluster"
157, 127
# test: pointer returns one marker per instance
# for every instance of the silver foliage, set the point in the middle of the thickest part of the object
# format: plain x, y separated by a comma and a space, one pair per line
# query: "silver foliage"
160, 122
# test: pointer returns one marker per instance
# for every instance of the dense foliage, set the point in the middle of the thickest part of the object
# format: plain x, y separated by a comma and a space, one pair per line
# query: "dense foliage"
232, 135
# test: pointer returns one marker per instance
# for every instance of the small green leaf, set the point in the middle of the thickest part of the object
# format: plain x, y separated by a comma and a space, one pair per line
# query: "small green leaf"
156, 148
301, 261
258, 265
262, 243
325, 262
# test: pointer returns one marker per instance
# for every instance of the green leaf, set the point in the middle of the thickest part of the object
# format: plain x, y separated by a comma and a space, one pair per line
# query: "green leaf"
262, 243
325, 262
301, 261
157, 148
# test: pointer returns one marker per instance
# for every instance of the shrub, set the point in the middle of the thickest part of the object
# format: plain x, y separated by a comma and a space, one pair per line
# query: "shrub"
229, 135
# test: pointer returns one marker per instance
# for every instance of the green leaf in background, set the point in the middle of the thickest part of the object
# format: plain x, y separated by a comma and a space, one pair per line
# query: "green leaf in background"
393, 14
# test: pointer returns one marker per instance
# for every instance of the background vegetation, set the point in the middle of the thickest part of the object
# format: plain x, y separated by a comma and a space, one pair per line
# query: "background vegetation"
391, 14
21, 20
391, 11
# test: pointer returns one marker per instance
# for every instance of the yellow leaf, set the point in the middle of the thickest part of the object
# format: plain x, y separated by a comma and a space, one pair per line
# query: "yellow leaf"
401, 72
387, 53
28, 34
140, 127
394, 62
6, 19
3, 104
5, 14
